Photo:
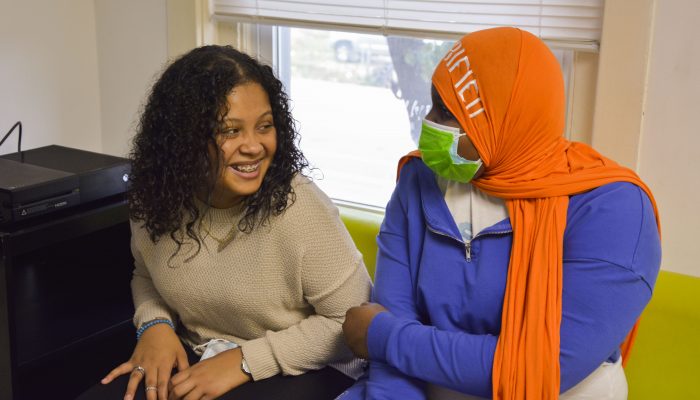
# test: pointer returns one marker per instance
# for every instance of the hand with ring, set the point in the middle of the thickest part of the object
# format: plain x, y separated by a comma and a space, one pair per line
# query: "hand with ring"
157, 352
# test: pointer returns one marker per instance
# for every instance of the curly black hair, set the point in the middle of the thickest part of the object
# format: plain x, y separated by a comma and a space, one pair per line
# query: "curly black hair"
185, 110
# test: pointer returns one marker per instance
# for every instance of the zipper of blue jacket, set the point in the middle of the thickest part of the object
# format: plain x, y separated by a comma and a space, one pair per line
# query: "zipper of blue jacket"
468, 245
451, 237
481, 234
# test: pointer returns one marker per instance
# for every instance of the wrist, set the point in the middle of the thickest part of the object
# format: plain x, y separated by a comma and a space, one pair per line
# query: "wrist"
237, 362
150, 324
245, 368
378, 333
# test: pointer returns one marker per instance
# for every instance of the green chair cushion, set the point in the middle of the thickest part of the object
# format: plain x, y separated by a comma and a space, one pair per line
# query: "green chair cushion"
665, 359
363, 226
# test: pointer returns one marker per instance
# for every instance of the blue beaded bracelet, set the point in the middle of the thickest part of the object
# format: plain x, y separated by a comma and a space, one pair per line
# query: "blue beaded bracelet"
149, 324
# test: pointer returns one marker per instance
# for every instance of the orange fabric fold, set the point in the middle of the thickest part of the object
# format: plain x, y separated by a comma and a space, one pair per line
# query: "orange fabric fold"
506, 90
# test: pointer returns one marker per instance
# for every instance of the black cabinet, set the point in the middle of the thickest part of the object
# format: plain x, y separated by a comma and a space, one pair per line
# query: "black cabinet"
65, 301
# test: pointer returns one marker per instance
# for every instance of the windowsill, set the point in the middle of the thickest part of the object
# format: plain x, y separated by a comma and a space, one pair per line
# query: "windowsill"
359, 207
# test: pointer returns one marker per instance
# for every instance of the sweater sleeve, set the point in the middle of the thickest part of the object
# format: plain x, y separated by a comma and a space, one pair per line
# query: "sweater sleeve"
148, 303
611, 258
333, 279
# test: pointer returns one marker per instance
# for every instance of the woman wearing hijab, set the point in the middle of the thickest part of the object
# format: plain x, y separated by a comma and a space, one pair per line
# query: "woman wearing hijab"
512, 264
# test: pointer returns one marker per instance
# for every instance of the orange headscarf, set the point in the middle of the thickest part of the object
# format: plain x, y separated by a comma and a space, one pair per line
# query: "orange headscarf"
506, 90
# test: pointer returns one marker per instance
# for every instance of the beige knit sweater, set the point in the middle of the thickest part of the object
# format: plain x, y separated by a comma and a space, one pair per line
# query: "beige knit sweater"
281, 291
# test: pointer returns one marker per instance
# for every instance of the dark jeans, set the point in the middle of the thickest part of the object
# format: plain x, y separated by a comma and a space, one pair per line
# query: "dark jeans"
324, 384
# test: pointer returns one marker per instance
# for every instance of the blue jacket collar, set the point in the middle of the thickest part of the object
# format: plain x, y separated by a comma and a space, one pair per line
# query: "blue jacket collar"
437, 215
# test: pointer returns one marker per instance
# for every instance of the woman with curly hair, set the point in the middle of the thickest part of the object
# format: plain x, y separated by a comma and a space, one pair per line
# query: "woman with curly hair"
243, 268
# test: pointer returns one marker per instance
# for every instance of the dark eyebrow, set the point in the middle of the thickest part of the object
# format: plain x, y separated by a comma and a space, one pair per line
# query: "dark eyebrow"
260, 117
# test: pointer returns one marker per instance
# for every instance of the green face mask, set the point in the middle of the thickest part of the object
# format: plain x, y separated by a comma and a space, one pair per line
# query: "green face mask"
438, 146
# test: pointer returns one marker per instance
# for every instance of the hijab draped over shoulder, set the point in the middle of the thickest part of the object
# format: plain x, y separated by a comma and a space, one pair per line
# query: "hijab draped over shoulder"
505, 88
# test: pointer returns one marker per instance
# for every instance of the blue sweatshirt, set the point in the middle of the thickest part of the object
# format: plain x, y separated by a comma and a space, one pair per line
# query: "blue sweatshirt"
445, 299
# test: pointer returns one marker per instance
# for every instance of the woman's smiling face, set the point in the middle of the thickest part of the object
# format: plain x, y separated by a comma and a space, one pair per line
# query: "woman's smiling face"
247, 143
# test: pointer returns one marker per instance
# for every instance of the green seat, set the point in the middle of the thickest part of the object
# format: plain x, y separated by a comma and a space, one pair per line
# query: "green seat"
363, 226
665, 361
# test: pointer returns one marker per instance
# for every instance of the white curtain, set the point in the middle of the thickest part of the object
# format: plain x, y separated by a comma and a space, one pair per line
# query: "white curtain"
562, 23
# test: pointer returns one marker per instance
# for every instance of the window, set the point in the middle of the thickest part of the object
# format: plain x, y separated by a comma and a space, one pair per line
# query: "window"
358, 73
359, 100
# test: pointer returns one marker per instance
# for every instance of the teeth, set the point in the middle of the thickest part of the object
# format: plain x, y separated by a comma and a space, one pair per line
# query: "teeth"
247, 167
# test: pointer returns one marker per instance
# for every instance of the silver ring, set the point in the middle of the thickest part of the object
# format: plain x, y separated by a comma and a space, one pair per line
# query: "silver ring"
140, 370
151, 388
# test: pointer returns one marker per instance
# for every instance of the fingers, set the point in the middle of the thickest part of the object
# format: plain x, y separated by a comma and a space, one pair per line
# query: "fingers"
134, 380
151, 385
194, 394
182, 362
179, 378
179, 391
122, 369
162, 385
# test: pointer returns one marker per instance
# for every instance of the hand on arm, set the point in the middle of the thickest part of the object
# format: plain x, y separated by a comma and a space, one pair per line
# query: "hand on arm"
357, 321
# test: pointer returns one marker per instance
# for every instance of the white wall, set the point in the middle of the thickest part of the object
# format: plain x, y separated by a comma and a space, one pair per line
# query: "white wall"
669, 155
647, 109
132, 49
622, 79
49, 74
76, 72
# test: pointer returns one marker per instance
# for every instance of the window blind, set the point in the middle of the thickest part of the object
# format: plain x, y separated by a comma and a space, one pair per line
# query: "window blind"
562, 23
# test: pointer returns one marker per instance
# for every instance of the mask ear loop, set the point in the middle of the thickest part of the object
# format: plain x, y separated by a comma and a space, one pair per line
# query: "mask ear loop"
444, 128
202, 347
456, 158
